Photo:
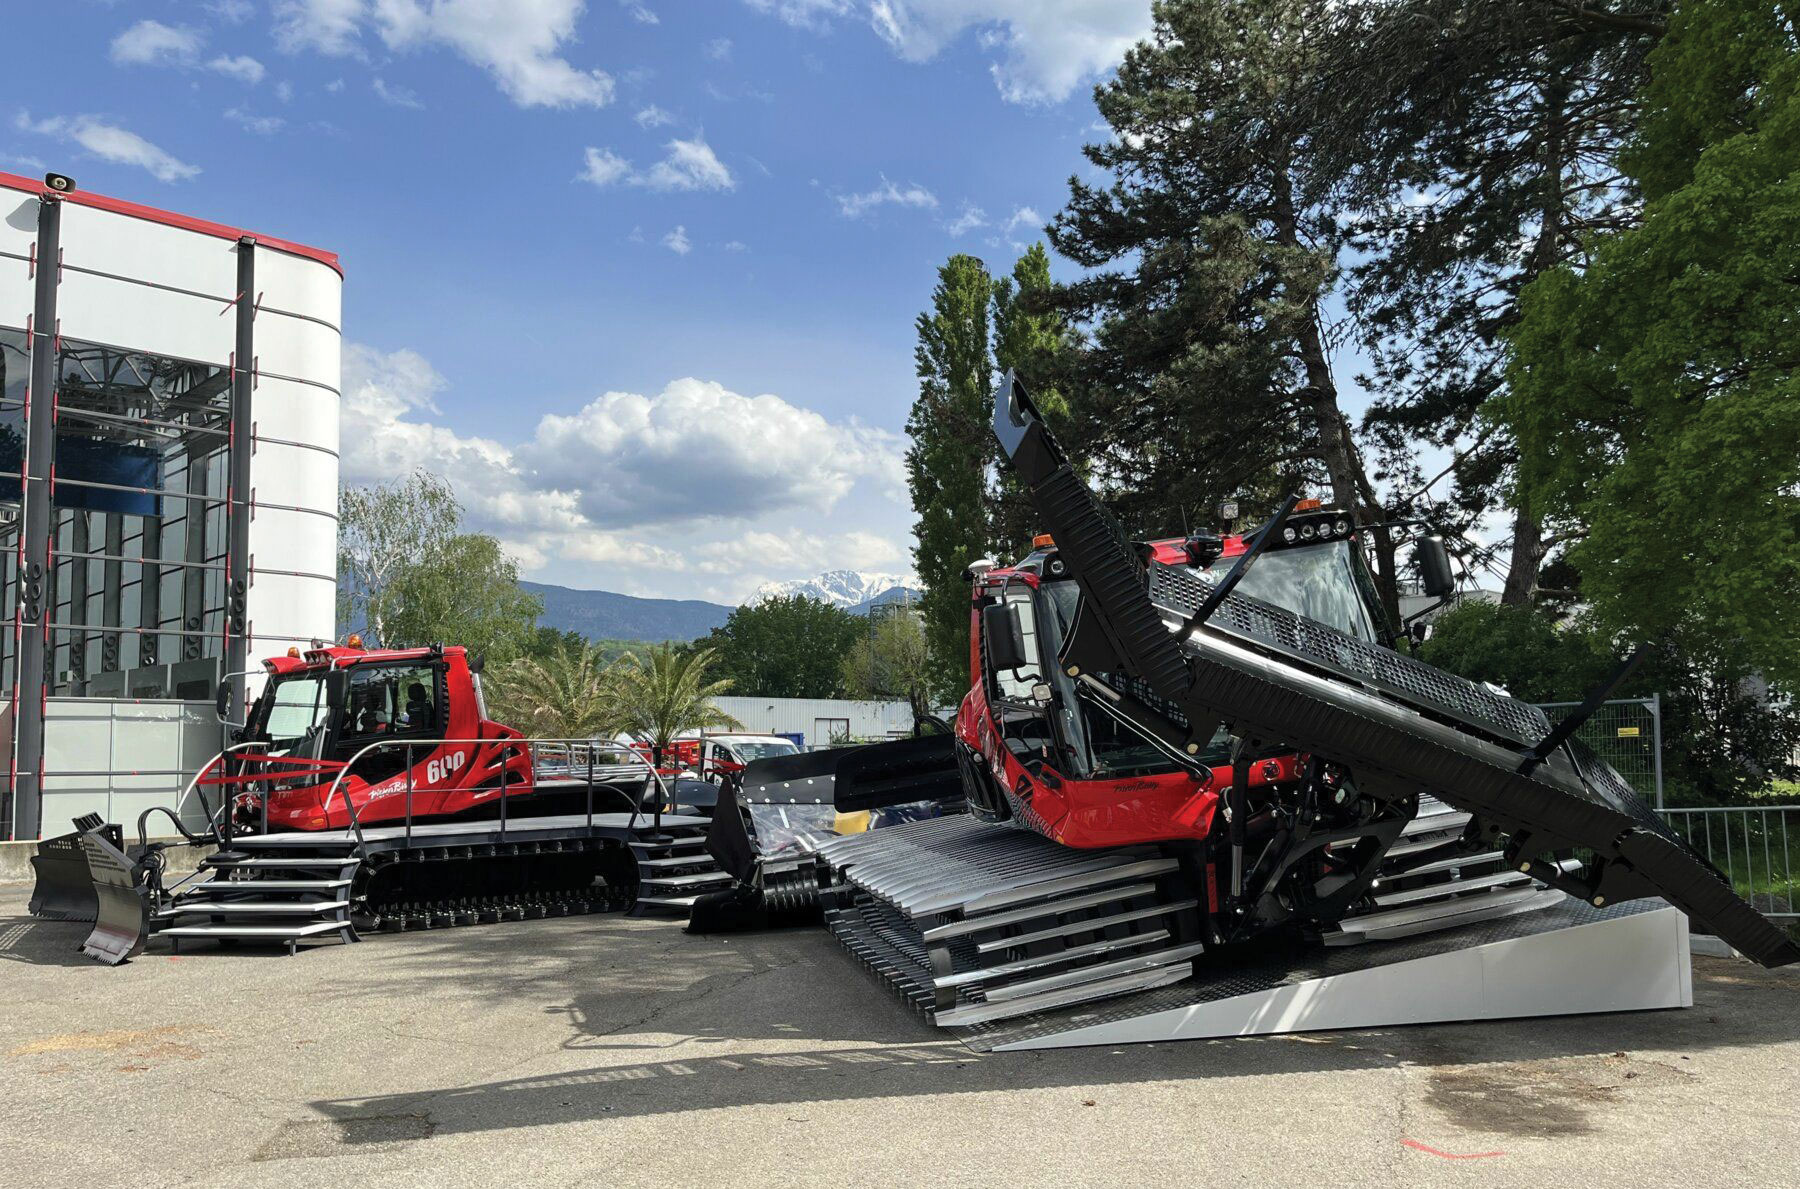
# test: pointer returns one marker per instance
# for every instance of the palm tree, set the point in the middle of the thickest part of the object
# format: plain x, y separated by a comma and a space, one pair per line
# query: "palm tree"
566, 694
666, 692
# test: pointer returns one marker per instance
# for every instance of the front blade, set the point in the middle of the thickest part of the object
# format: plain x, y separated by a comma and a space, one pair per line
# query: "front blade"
122, 920
65, 888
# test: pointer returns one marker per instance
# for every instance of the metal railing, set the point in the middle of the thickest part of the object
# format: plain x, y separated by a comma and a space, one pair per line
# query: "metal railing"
578, 757
1757, 848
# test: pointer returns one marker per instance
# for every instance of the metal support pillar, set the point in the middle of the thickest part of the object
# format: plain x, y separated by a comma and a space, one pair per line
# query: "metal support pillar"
34, 548
238, 498
1656, 744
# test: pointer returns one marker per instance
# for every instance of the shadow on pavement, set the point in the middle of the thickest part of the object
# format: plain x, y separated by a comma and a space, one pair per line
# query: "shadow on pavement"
43, 943
901, 1056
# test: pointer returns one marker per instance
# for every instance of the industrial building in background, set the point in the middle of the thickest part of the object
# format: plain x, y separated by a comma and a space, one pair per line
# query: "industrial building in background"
169, 393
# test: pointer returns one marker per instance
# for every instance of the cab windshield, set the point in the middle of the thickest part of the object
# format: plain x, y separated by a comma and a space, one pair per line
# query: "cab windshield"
1317, 581
291, 710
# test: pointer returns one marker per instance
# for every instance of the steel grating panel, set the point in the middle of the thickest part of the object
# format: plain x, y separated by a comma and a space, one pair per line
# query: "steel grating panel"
1225, 976
1182, 591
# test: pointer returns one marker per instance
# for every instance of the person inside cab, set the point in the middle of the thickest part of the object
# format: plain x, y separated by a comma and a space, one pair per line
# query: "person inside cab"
418, 707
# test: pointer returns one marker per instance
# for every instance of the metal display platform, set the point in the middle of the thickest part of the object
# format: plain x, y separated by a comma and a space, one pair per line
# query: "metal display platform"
476, 832
1568, 960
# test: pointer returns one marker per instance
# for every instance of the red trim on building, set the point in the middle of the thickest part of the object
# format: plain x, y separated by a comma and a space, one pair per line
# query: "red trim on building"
119, 206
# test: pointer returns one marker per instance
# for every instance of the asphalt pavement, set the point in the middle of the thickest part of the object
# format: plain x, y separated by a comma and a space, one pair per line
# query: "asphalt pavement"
620, 1051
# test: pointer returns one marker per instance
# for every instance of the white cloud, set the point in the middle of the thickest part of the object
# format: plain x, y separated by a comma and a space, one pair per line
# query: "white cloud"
152, 43
972, 217
1046, 48
284, 91
804, 14
240, 66
396, 95
653, 117
334, 86
677, 241
639, 13
735, 245
516, 41
604, 167
688, 165
109, 142
633, 458
854, 206
606, 485
324, 26
261, 125
231, 12
1024, 217
718, 49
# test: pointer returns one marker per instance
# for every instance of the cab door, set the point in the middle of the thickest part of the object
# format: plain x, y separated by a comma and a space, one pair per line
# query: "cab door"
389, 706
1019, 696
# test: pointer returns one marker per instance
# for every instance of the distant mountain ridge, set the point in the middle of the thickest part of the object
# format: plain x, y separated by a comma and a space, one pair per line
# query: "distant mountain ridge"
603, 615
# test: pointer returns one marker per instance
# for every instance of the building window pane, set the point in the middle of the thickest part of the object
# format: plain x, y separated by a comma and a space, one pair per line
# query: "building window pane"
138, 524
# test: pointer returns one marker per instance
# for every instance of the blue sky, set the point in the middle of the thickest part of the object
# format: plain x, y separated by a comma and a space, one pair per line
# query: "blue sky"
639, 277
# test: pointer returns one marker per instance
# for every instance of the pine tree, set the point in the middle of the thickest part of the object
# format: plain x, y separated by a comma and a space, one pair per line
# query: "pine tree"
947, 462
1483, 141
1212, 251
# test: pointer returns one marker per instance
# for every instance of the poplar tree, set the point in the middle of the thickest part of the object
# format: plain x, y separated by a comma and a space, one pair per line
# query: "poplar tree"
947, 462
1031, 340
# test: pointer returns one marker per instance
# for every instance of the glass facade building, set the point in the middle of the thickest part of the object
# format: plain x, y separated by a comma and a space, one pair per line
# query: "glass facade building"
168, 405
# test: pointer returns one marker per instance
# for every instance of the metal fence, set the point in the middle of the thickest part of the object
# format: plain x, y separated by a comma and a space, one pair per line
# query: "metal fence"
1757, 848
1626, 733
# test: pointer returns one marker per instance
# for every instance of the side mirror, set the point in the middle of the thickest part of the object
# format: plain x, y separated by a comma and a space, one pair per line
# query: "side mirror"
1434, 567
1005, 637
222, 701
337, 688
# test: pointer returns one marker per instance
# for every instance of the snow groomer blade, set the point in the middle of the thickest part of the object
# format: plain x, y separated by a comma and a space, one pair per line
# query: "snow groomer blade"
1394, 722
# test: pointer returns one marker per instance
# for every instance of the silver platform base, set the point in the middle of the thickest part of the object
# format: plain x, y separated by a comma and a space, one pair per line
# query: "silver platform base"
1570, 961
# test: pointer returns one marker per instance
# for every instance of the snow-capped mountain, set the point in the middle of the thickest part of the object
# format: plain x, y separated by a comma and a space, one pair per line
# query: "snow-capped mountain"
851, 589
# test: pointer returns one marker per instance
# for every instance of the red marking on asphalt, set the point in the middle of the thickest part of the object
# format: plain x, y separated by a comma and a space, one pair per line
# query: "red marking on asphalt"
1416, 1146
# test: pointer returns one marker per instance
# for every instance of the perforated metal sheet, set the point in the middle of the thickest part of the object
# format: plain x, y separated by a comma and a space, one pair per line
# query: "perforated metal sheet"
1182, 591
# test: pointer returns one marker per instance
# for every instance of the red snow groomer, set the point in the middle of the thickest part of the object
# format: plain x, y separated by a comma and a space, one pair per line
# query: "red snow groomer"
325, 707
369, 788
1173, 750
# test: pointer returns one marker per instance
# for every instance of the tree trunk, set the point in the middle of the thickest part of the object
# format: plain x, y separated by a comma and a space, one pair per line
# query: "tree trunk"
1527, 555
1336, 445
1528, 528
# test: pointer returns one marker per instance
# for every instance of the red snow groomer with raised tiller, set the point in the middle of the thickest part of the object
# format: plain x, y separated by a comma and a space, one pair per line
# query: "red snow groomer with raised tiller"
1176, 753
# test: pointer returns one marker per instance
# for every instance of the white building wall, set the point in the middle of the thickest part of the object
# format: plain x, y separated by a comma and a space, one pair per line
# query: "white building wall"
819, 718
135, 281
